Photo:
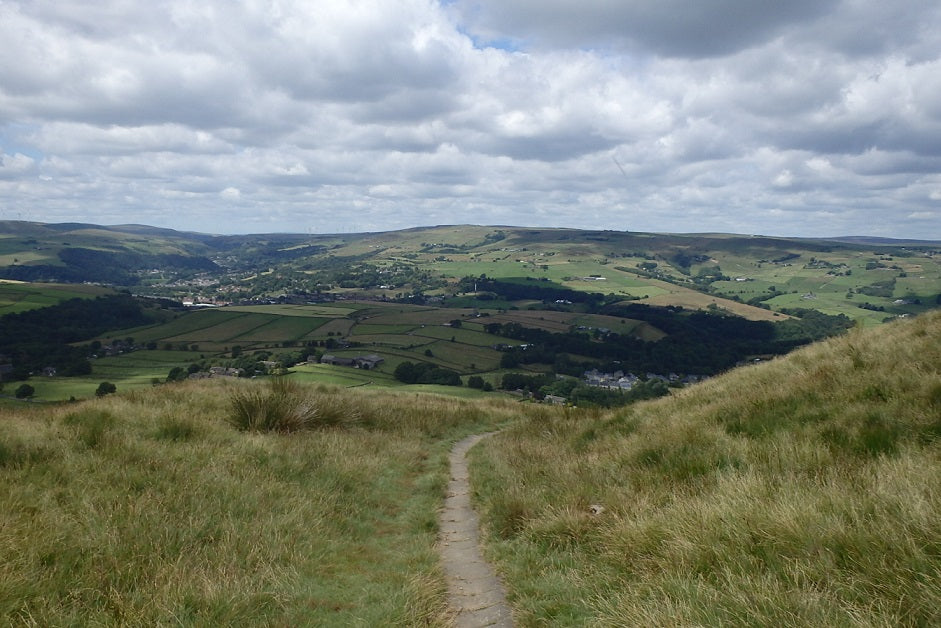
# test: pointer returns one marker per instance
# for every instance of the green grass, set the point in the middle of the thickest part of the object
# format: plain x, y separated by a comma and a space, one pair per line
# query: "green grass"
151, 509
804, 491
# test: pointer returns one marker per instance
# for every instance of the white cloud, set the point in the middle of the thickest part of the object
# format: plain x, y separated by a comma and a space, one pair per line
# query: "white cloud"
800, 118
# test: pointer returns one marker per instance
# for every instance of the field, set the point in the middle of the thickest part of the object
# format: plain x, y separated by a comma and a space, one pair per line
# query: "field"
17, 296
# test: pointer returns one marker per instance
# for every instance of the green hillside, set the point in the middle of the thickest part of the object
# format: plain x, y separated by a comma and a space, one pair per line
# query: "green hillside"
20, 296
803, 491
751, 276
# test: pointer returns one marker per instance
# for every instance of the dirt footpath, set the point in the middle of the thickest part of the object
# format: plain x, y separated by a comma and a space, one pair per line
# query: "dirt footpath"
474, 591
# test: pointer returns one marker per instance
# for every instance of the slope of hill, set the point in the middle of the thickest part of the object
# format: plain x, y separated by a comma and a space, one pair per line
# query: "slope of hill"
803, 491
151, 508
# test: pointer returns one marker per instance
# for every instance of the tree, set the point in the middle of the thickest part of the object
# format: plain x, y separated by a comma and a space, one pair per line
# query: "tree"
105, 388
475, 381
25, 391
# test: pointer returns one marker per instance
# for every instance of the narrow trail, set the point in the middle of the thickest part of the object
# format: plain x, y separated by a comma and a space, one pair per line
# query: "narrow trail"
474, 591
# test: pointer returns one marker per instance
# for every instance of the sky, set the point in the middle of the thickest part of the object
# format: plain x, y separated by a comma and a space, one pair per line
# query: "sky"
813, 118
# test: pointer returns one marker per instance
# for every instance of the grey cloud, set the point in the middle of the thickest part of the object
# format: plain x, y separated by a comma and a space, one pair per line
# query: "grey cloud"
667, 27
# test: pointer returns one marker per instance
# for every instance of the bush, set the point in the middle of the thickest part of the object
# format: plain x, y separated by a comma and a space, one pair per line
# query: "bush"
105, 388
424, 373
285, 406
25, 391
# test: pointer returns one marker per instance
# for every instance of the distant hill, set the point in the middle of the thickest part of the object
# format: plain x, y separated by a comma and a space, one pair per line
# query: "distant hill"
758, 277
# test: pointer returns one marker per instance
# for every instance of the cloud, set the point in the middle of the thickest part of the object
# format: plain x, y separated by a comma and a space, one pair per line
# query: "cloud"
800, 118
665, 27
16, 166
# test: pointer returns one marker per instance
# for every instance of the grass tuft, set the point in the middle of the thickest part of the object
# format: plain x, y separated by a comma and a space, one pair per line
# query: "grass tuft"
286, 406
176, 429
91, 425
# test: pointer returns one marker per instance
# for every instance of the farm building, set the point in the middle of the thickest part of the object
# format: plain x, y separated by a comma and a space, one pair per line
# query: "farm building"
365, 362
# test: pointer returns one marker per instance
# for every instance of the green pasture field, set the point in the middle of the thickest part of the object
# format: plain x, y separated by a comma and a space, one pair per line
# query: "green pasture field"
460, 357
28, 257
328, 311
494, 267
20, 296
62, 388
424, 316
394, 340
281, 328
461, 335
227, 330
377, 308
550, 321
366, 329
190, 322
336, 327
833, 304
342, 376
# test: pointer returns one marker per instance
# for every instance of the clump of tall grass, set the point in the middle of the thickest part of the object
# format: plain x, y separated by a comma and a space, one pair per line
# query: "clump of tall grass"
285, 406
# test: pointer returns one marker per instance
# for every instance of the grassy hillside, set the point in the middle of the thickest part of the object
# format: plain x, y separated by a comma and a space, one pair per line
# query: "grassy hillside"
803, 491
150, 508
752, 276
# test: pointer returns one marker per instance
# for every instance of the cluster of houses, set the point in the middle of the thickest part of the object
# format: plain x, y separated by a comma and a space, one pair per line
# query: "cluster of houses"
626, 381
218, 371
616, 380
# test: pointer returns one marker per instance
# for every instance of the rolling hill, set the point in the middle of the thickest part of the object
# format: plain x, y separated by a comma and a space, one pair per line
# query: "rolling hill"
752, 276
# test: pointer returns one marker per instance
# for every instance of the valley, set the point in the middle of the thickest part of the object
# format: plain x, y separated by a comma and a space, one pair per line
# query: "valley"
474, 303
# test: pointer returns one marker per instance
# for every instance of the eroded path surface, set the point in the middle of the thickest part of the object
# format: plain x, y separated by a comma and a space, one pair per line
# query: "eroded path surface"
474, 591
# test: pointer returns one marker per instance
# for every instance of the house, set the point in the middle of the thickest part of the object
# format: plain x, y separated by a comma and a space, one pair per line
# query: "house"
221, 371
368, 362
336, 360
365, 362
